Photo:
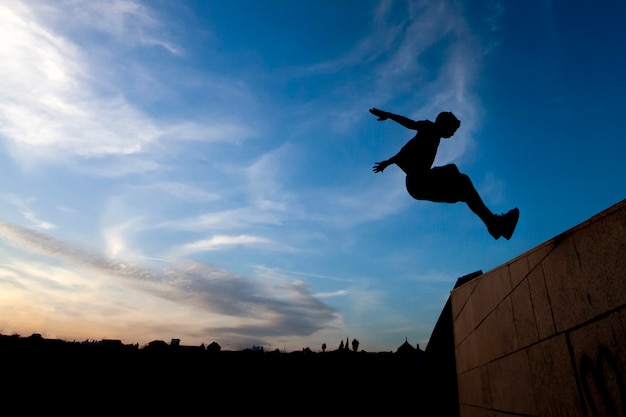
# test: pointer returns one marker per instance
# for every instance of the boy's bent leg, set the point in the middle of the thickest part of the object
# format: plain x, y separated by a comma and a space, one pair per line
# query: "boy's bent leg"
456, 186
446, 184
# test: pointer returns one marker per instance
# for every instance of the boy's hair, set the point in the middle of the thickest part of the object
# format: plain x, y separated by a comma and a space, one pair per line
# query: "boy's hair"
446, 118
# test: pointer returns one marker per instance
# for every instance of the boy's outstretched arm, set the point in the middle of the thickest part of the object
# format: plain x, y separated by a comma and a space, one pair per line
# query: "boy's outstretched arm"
404, 121
380, 166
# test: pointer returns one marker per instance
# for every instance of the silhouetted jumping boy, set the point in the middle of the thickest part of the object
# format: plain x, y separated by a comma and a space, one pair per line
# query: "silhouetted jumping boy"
442, 184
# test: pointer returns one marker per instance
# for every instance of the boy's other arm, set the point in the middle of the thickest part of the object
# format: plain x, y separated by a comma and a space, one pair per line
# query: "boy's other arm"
403, 121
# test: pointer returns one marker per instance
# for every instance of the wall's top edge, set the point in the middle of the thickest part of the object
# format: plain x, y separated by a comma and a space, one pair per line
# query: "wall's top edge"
560, 237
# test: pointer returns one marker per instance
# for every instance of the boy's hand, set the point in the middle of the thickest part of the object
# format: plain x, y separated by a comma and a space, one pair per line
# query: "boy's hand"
380, 166
382, 115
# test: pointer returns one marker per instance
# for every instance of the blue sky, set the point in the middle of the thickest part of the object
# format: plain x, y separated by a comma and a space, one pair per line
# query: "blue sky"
203, 170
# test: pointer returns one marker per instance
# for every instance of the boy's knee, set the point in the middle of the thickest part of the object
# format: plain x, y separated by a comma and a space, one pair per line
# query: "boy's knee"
451, 168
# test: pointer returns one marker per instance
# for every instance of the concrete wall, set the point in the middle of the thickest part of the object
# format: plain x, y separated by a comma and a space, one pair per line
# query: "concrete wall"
545, 334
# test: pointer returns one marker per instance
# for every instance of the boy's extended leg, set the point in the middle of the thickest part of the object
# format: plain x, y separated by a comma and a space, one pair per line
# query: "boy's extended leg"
498, 225
447, 184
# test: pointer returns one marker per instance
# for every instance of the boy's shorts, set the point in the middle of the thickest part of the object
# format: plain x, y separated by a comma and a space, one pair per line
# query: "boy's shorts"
443, 184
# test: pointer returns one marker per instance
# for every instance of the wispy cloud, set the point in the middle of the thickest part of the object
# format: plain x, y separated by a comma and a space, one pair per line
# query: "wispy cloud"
332, 294
220, 242
285, 308
23, 205
126, 20
178, 190
231, 219
49, 102
59, 104
421, 65
282, 274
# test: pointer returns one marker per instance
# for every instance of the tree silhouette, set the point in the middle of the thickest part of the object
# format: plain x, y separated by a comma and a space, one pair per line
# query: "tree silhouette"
355, 345
323, 347
213, 347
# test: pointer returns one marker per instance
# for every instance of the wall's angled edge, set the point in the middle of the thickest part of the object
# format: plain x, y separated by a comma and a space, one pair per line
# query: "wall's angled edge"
438, 373
544, 334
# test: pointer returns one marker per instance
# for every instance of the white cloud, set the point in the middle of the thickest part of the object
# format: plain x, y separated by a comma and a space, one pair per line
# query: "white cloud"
114, 238
24, 207
237, 218
280, 274
337, 293
267, 177
40, 224
492, 188
219, 242
128, 21
178, 190
49, 102
348, 206
55, 104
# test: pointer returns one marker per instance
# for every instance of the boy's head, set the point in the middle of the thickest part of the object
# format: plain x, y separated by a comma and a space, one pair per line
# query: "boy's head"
447, 123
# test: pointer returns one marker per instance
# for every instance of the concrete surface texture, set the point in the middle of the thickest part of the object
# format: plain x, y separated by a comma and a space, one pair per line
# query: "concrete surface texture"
545, 334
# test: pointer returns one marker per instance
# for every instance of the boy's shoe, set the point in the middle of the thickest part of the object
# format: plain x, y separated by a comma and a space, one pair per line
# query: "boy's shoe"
504, 224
